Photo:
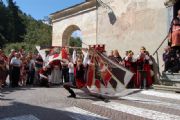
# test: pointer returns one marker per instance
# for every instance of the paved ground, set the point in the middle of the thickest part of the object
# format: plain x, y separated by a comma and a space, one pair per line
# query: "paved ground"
52, 104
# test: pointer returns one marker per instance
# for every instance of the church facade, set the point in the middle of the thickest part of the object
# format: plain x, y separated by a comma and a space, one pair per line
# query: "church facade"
119, 24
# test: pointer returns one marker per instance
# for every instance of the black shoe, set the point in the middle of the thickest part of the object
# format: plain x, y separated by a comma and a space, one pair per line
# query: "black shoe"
104, 99
71, 96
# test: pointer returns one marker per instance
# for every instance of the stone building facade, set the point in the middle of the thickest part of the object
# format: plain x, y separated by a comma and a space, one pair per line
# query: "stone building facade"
119, 24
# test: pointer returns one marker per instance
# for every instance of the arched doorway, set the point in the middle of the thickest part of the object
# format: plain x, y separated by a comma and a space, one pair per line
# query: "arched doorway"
72, 37
176, 8
67, 34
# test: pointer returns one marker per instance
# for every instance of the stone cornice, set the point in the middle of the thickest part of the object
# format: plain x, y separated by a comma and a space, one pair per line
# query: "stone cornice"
169, 3
72, 10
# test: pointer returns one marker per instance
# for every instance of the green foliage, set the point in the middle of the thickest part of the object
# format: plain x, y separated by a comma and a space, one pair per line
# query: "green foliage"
74, 42
18, 46
3, 24
16, 28
37, 32
20, 30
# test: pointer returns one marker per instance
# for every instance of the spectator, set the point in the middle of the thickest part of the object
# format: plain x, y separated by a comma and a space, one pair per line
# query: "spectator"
38, 66
3, 70
16, 65
31, 71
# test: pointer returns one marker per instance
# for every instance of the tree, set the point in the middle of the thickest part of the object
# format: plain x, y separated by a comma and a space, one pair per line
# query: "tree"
20, 30
74, 42
3, 24
37, 32
16, 28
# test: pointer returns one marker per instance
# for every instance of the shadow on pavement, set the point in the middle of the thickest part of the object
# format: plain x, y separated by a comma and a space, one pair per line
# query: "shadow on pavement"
20, 109
9, 90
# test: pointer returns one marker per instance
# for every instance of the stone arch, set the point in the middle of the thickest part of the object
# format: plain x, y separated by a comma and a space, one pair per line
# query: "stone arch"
67, 34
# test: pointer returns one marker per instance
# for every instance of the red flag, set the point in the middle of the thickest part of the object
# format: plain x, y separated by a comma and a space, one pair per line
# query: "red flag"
64, 53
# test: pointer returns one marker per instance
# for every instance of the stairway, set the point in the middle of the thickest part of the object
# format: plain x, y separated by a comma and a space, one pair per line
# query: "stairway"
169, 82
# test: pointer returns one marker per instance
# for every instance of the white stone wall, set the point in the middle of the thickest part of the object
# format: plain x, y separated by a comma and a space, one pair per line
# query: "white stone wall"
138, 23
86, 23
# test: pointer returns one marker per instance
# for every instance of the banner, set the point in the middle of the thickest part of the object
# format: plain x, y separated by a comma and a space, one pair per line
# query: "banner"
105, 77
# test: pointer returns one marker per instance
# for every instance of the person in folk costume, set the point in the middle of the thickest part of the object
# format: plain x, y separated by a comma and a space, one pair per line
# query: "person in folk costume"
116, 57
111, 54
56, 72
56, 77
126, 54
144, 78
148, 68
44, 74
38, 65
65, 70
23, 71
80, 66
130, 63
79, 76
6, 68
3, 69
21, 52
175, 34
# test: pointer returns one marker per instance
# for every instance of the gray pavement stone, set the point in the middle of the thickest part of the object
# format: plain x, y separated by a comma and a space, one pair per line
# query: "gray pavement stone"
49, 103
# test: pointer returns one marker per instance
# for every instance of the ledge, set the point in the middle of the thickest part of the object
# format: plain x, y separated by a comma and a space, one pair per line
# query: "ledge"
169, 3
166, 88
74, 9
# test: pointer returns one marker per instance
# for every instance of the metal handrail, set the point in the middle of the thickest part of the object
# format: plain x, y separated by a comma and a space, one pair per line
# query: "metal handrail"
161, 45
157, 56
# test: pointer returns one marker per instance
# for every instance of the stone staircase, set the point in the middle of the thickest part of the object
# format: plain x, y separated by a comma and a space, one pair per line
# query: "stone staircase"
169, 82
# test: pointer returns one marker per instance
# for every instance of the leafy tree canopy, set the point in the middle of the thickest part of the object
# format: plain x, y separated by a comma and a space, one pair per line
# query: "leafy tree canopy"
20, 30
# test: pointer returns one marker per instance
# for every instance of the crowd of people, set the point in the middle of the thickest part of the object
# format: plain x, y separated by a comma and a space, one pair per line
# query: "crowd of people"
20, 66
30, 69
141, 65
171, 55
171, 58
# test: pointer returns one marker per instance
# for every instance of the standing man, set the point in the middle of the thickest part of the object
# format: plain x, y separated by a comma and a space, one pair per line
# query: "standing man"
38, 66
16, 65
31, 71
11, 55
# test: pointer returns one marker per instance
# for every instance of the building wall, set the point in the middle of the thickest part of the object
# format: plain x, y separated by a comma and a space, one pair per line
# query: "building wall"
138, 23
86, 23
123, 25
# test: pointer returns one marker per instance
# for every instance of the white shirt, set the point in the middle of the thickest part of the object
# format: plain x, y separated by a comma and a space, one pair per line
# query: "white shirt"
71, 67
31, 64
16, 61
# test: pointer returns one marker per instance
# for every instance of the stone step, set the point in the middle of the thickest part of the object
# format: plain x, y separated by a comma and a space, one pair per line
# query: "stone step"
167, 88
174, 77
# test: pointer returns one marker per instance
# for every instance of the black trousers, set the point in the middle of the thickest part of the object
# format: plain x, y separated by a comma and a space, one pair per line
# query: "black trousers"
31, 76
69, 87
65, 74
15, 76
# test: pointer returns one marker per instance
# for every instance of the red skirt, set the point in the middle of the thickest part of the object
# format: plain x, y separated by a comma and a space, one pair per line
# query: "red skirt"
80, 83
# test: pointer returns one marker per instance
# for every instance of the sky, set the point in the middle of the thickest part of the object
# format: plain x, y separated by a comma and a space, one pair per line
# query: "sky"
39, 9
